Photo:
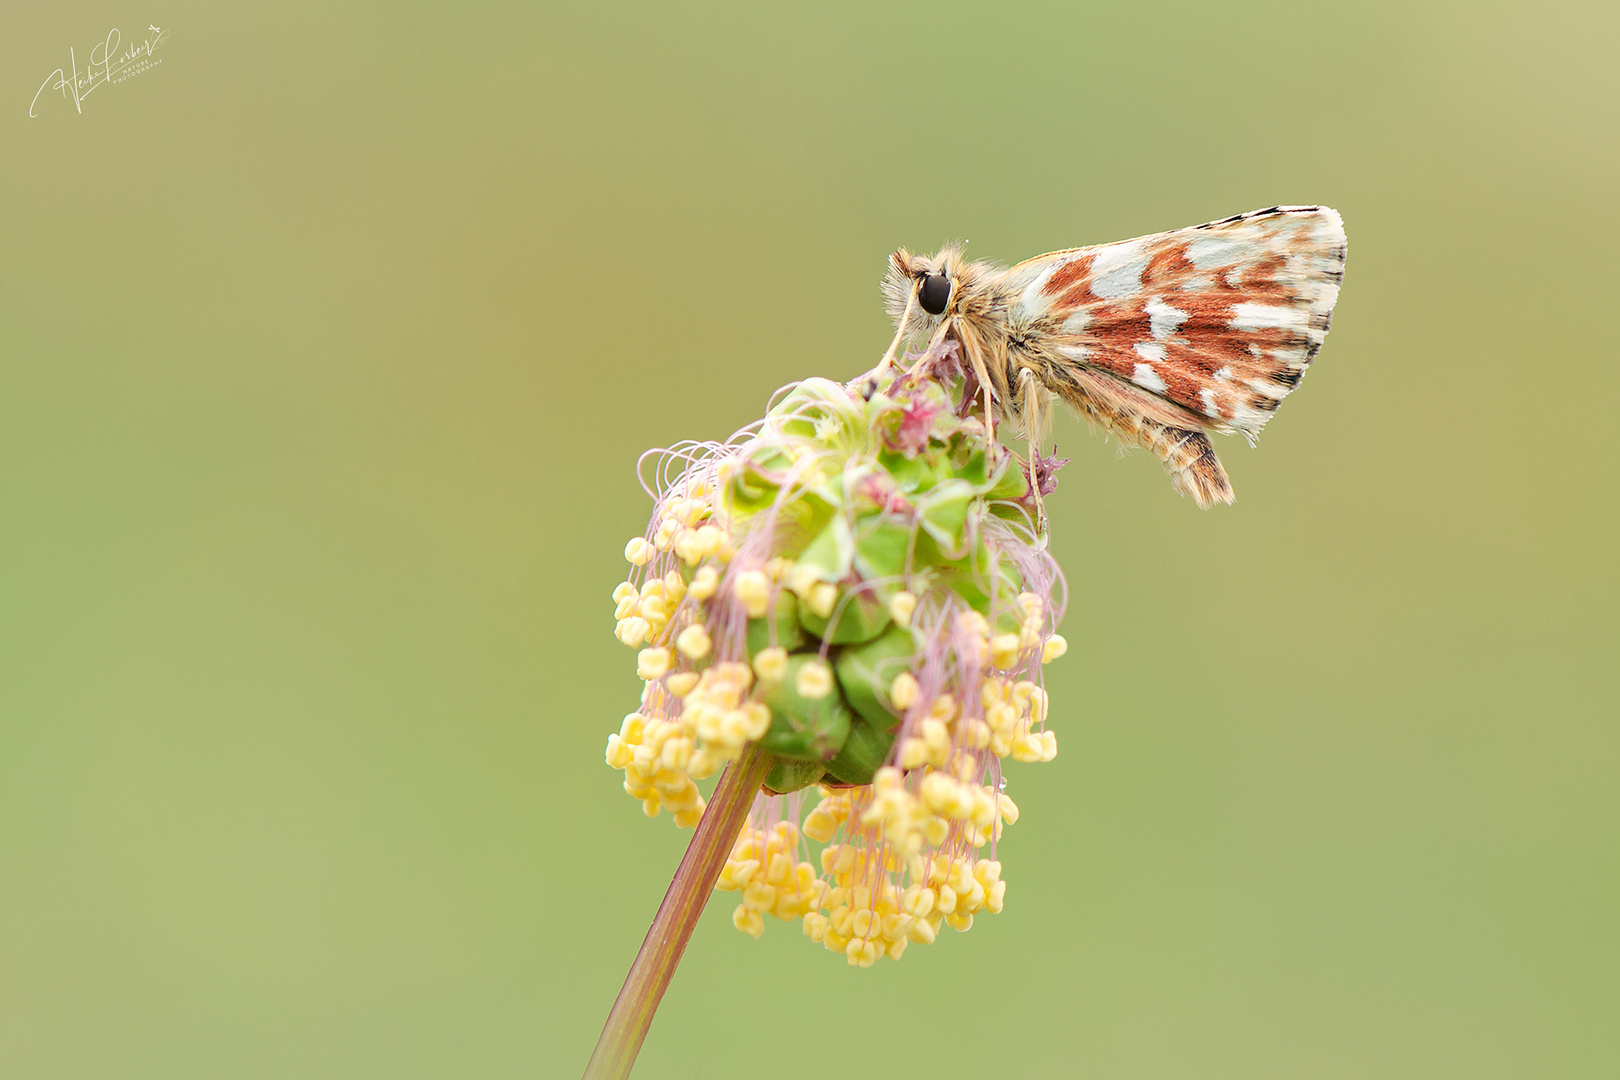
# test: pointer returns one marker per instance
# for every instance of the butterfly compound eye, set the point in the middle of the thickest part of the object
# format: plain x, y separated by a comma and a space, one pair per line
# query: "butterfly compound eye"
933, 292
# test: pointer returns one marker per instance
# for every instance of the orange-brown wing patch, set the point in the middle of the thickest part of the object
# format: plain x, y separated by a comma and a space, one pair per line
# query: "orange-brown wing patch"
1220, 320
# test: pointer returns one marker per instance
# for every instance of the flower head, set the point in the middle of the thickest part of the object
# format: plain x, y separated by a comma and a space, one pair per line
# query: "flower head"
855, 584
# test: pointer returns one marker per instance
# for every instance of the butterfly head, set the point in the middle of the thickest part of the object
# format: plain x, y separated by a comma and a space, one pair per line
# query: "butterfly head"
929, 285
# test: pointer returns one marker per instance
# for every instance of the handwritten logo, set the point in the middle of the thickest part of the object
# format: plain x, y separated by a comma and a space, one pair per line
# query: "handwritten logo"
107, 65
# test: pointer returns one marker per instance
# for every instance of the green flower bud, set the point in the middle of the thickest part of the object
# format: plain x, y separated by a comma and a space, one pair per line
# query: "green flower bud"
865, 672
805, 728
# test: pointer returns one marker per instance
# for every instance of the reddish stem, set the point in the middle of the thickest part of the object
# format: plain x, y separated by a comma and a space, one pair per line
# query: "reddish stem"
677, 917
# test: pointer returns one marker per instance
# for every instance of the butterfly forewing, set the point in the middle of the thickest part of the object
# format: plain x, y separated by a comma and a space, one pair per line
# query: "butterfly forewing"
1218, 321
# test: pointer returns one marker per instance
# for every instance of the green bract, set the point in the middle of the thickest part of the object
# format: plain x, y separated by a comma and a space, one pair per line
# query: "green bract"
861, 500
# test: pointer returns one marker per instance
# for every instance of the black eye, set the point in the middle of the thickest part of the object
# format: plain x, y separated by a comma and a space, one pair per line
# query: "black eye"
933, 292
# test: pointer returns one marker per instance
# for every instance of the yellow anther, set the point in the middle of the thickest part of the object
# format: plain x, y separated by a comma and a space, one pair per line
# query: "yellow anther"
913, 754
821, 599
771, 664
622, 591
693, 642
1004, 650
676, 755
1027, 748
681, 683
627, 607
815, 926
652, 663
688, 819
1055, 646
814, 680
943, 708
754, 592
748, 921
1008, 809
632, 631
903, 690
741, 871
901, 607
687, 547
801, 578
1031, 605
923, 931
639, 551
704, 583
919, 901
759, 720
1048, 745
734, 726
618, 752
707, 539
674, 586
759, 895
983, 812
959, 921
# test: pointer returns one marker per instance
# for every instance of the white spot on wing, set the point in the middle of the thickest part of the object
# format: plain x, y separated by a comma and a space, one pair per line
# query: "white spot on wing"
1210, 252
1117, 272
1077, 321
1164, 319
1148, 379
1208, 397
1075, 352
1267, 317
1030, 299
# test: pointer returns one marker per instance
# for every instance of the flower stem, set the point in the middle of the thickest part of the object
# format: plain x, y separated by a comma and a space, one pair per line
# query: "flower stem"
677, 917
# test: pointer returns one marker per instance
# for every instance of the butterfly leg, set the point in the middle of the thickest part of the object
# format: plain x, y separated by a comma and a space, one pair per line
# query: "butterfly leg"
980, 372
1034, 424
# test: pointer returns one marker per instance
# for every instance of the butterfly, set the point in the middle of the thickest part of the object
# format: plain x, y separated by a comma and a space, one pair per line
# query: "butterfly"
1158, 340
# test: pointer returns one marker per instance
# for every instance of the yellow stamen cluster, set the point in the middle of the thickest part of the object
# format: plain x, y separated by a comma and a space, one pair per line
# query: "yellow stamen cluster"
691, 723
643, 614
662, 757
764, 866
879, 902
656, 757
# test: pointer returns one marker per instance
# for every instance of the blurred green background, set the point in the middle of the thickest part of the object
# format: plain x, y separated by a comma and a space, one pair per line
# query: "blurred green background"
326, 351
